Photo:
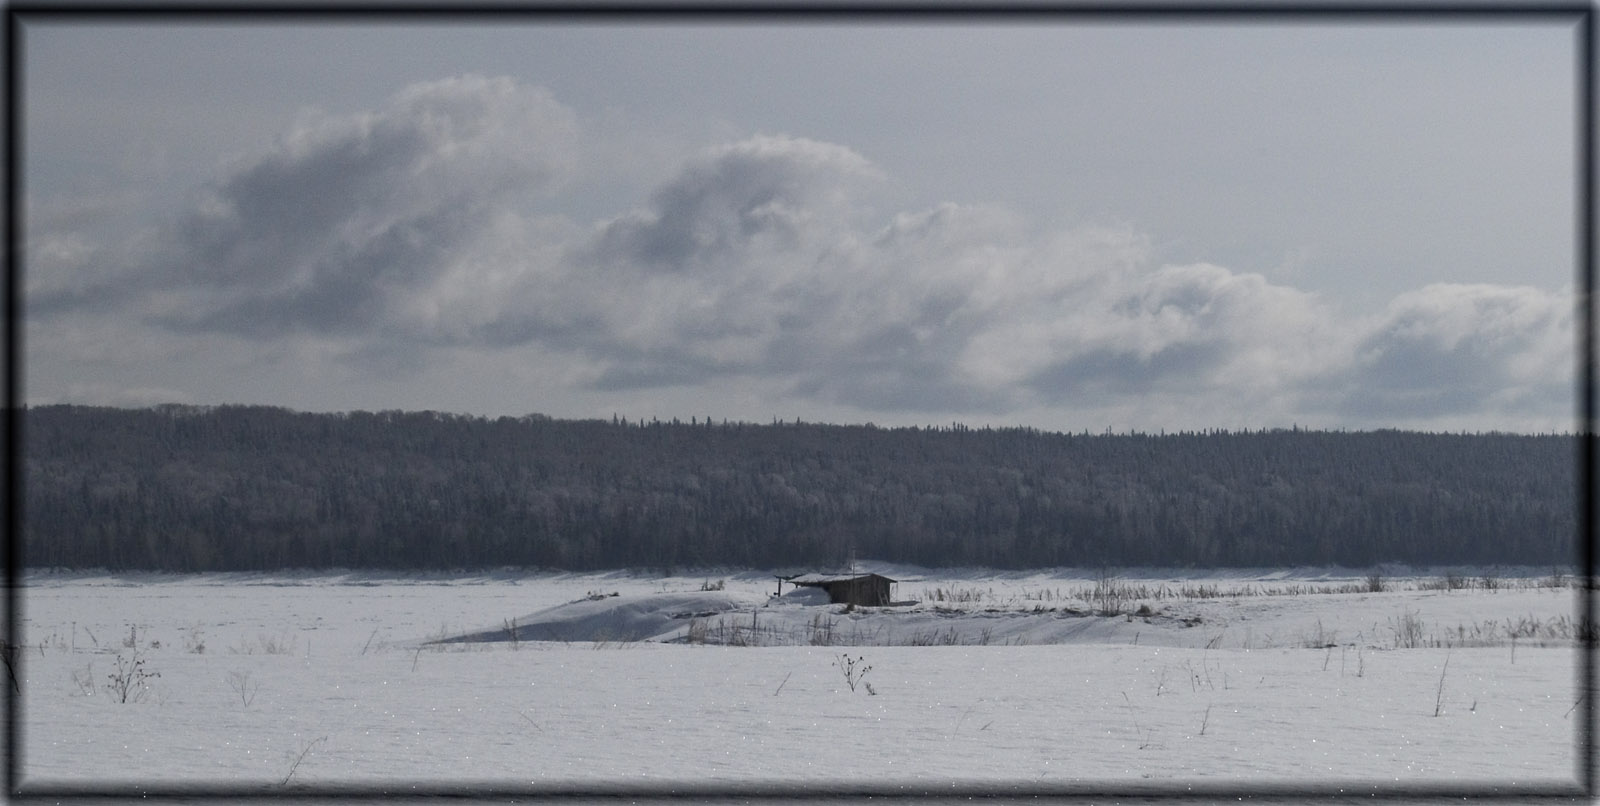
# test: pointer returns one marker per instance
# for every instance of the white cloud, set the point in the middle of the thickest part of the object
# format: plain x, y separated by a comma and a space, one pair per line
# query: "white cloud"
347, 218
403, 238
1455, 349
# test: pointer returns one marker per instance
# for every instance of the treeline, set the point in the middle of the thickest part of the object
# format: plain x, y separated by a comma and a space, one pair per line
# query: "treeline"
253, 488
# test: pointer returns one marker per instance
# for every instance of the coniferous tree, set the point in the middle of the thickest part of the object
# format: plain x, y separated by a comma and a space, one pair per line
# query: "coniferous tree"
235, 487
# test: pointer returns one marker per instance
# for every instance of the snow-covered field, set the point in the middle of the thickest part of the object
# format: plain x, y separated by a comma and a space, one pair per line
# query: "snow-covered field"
1282, 678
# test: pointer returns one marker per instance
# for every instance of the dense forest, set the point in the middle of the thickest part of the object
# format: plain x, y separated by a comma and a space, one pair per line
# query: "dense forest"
251, 488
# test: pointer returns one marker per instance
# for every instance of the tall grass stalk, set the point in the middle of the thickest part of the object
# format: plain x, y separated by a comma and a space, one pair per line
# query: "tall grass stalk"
1438, 699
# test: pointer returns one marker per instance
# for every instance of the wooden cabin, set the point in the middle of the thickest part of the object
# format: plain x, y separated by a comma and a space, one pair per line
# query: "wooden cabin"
863, 590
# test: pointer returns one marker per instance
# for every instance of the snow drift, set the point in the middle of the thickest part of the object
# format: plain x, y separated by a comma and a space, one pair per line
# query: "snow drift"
611, 617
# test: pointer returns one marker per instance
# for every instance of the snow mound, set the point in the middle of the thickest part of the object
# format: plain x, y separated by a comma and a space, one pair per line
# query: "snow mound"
805, 597
616, 618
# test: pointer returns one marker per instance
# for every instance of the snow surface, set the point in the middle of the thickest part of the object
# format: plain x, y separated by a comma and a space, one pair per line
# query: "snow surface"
986, 679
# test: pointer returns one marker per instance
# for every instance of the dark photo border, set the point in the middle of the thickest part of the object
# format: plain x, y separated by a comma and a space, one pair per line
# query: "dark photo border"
1581, 13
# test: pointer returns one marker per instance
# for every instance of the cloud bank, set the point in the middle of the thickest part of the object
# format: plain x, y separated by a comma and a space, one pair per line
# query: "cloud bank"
432, 228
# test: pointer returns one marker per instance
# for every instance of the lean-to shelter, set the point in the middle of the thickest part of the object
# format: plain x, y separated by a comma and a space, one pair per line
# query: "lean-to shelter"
861, 589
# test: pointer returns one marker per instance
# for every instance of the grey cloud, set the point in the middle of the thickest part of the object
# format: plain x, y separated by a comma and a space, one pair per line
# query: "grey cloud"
1171, 333
89, 299
351, 220
700, 282
1099, 374
1186, 295
1450, 349
69, 265
347, 290
925, 330
656, 372
1198, 331
570, 330
264, 221
726, 260
384, 360
761, 188
903, 359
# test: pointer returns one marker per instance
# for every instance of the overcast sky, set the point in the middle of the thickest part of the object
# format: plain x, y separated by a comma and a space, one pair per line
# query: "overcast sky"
1071, 227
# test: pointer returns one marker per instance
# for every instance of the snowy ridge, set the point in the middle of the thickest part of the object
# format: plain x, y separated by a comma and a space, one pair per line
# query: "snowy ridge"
1303, 608
601, 617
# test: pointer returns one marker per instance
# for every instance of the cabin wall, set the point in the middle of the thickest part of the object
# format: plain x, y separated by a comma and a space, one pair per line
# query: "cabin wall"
873, 591
864, 592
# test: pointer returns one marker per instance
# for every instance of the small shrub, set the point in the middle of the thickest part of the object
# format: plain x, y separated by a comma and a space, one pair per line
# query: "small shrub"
1375, 583
1586, 632
1110, 594
708, 585
853, 670
241, 685
1448, 582
1321, 639
278, 645
954, 595
131, 681
194, 641
266, 645
1407, 631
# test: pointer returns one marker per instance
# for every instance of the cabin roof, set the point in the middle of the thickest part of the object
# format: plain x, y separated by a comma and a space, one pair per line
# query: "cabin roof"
828, 579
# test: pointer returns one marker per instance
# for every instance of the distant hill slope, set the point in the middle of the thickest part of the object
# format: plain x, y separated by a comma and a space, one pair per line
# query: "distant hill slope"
249, 488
